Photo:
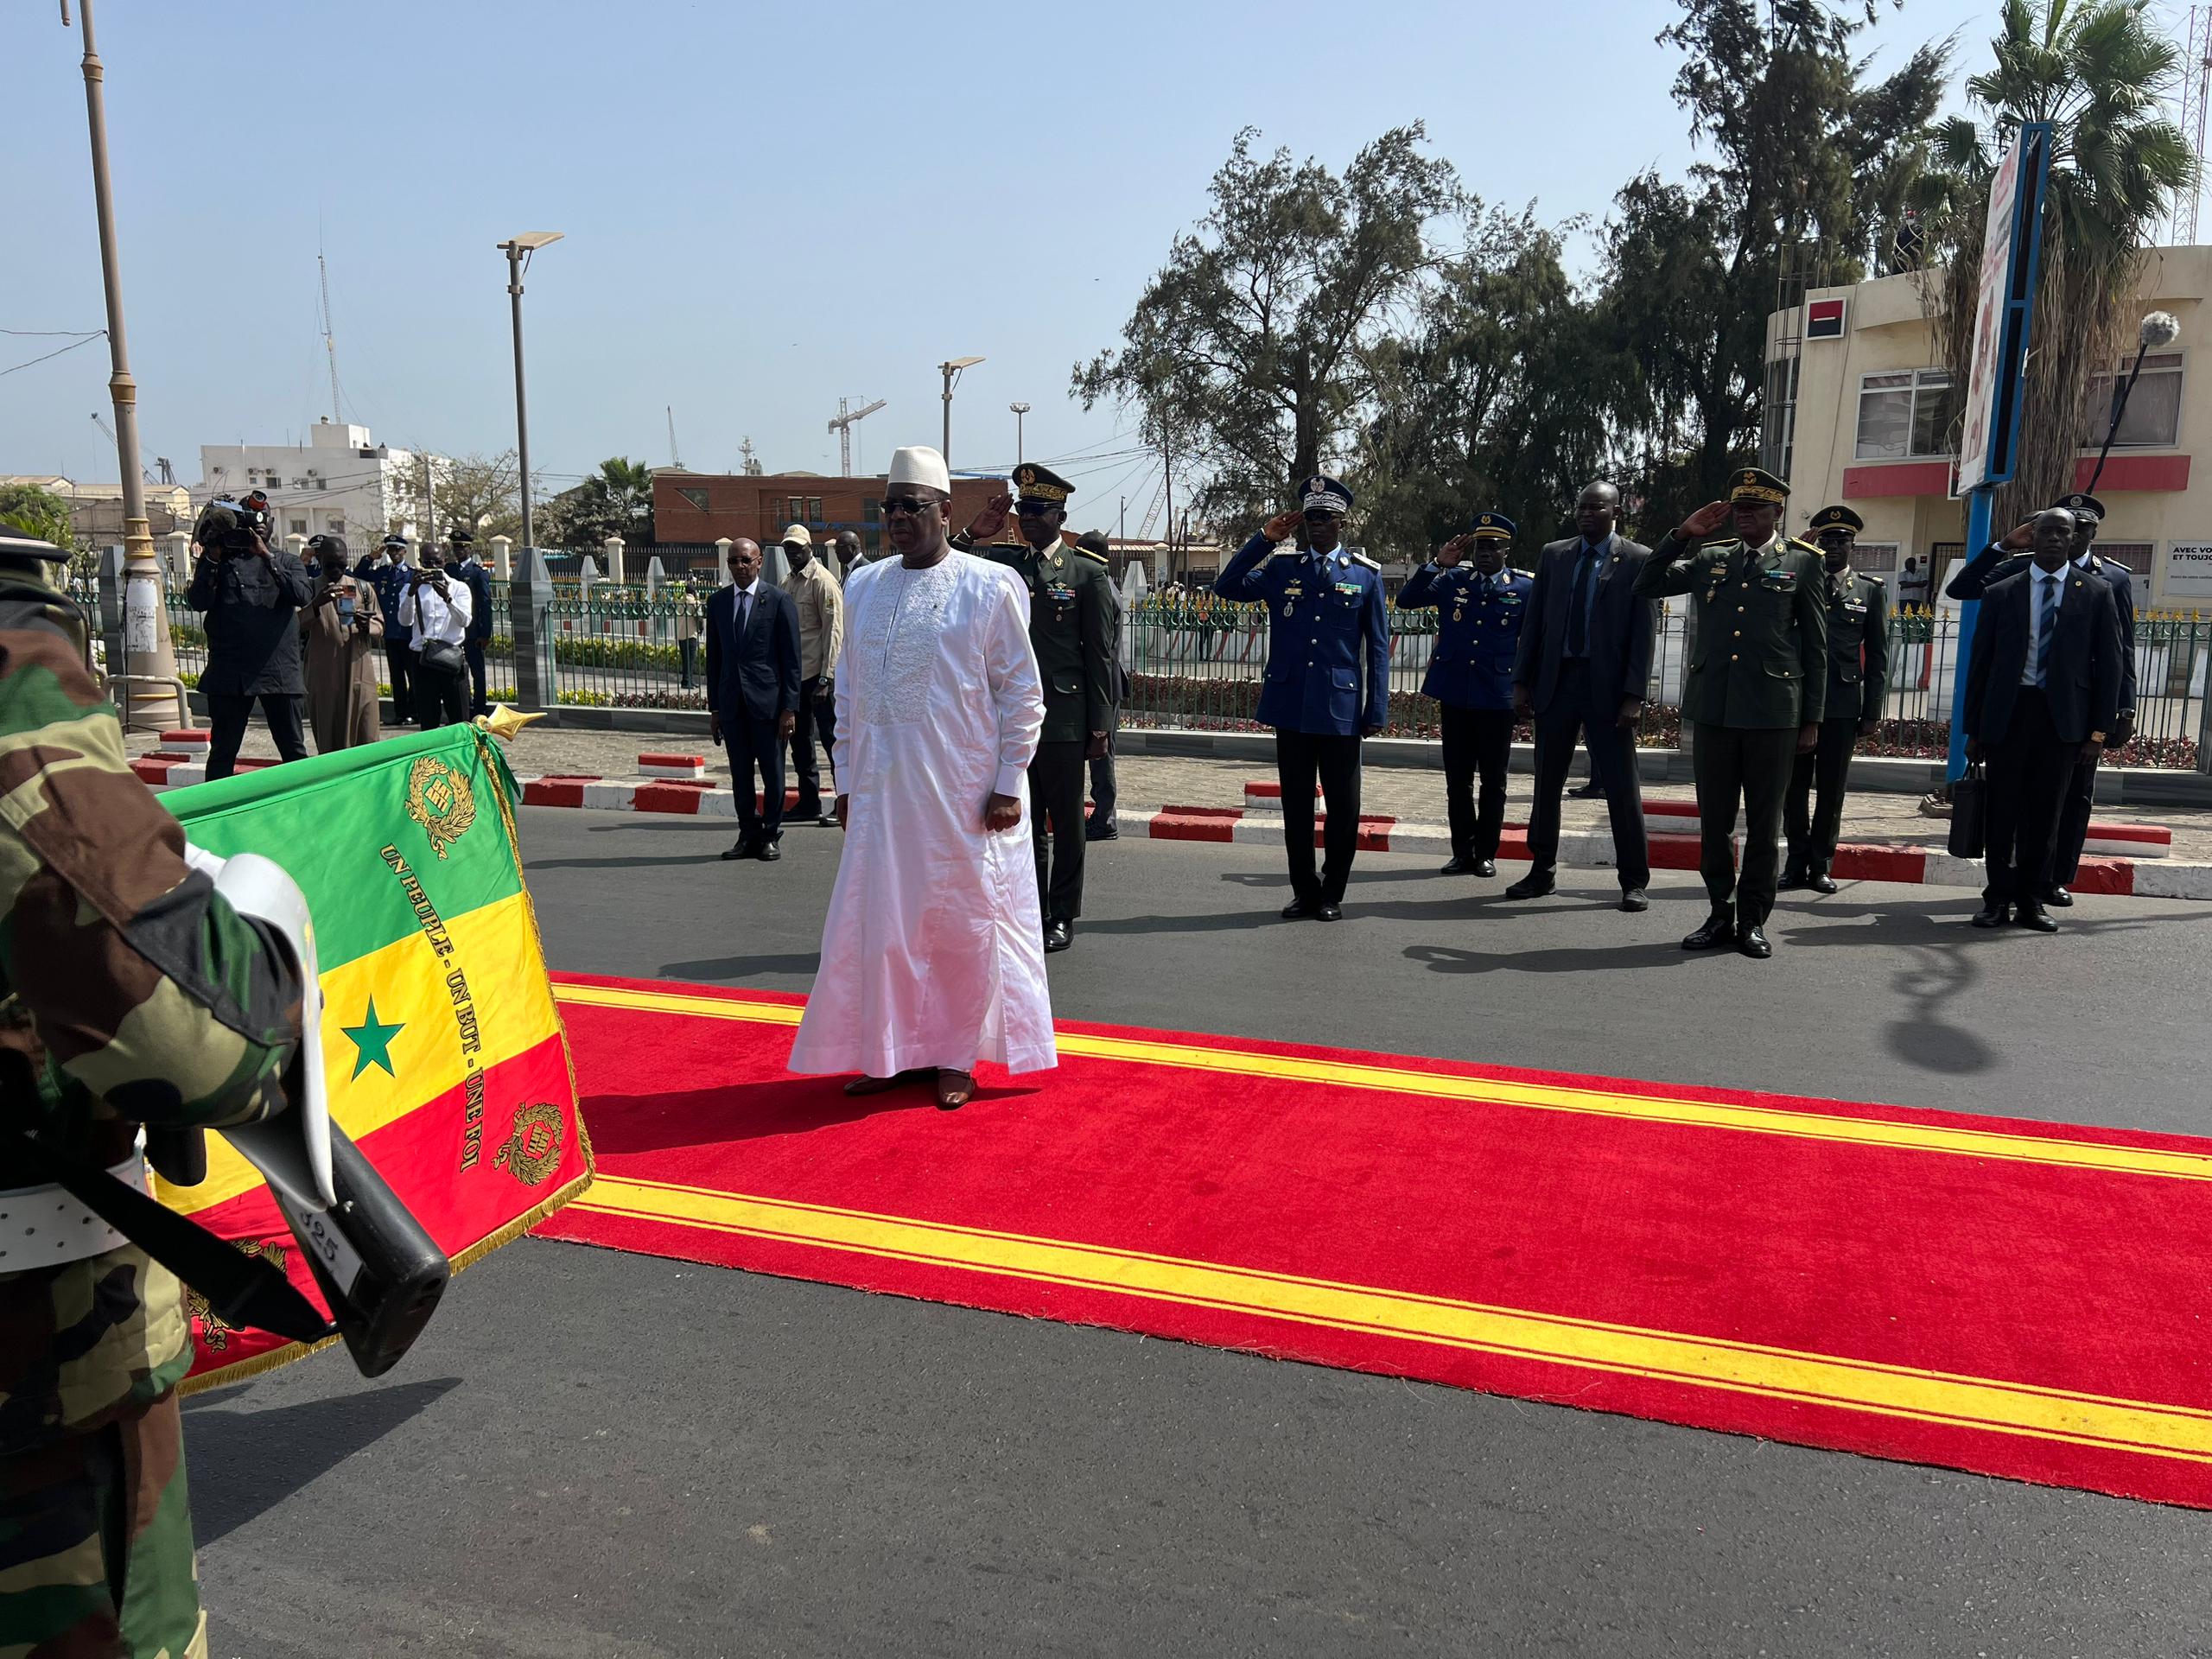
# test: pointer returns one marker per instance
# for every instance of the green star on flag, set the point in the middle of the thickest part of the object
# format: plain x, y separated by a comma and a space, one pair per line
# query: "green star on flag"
371, 1040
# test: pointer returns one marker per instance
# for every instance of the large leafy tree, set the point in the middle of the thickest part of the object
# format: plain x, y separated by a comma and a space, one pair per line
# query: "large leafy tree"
42, 512
616, 500
2101, 74
1248, 352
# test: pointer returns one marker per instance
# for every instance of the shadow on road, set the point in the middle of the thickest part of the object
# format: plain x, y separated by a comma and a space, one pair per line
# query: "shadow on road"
245, 1463
719, 968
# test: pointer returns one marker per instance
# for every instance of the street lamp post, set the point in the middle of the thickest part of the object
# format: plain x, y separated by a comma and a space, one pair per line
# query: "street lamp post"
1020, 410
148, 654
950, 370
518, 250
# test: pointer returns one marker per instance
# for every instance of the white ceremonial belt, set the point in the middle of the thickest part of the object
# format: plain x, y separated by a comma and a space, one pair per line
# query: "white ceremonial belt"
45, 1227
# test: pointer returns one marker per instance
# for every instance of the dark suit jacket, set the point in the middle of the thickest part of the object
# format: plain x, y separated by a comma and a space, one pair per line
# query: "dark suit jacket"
1621, 626
252, 607
2082, 685
1996, 562
757, 676
478, 581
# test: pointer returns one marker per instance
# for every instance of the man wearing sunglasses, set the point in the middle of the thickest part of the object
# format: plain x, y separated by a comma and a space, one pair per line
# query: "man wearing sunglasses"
1328, 681
932, 953
1072, 630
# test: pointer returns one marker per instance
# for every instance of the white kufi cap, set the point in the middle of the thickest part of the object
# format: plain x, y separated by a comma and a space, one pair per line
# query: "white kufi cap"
920, 464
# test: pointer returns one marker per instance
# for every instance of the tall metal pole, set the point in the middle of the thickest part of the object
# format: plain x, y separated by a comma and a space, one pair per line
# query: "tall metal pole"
1020, 410
147, 649
522, 403
944, 445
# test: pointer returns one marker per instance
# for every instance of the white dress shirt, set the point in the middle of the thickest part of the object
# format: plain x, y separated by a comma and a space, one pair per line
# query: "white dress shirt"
432, 618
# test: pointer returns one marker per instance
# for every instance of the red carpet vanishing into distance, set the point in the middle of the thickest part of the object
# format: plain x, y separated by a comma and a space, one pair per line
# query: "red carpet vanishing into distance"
2019, 1298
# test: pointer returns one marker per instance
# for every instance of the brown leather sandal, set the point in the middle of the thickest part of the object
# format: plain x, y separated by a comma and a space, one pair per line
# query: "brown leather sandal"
954, 1090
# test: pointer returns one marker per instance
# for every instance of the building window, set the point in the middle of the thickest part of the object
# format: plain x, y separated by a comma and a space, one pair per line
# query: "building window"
2153, 417
871, 511
334, 523
795, 508
2134, 556
1905, 414
1777, 442
814, 509
1874, 558
695, 494
299, 526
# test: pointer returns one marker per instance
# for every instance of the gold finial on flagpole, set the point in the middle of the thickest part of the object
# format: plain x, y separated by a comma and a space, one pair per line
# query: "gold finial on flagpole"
504, 720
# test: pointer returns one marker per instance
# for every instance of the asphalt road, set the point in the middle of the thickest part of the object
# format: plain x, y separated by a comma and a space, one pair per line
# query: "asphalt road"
607, 1455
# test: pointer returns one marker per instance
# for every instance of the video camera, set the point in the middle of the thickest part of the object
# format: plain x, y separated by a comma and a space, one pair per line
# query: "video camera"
231, 526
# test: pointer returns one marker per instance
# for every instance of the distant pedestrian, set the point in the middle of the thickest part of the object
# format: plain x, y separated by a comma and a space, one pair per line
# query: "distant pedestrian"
848, 554
821, 606
689, 615
752, 681
388, 572
436, 609
1103, 824
250, 594
1913, 585
470, 569
341, 627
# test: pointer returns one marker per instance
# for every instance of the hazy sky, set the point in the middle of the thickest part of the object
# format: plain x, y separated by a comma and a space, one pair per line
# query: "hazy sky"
766, 208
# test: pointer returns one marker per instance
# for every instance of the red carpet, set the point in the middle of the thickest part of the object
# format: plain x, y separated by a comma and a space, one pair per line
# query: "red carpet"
2019, 1298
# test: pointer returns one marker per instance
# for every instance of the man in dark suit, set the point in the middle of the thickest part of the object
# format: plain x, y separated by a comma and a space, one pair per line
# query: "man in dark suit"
461, 560
2042, 690
2009, 557
1584, 665
752, 681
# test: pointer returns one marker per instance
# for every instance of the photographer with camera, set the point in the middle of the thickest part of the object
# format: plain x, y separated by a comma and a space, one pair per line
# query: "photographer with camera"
250, 596
437, 608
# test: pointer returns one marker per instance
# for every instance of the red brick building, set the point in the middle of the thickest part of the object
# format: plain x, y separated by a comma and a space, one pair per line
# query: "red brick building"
703, 507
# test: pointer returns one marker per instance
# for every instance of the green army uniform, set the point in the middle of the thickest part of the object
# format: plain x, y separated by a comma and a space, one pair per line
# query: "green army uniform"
1072, 630
1105, 793
1757, 673
1859, 684
174, 1012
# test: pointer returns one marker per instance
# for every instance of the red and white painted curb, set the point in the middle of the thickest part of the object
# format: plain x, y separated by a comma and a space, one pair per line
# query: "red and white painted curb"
1672, 838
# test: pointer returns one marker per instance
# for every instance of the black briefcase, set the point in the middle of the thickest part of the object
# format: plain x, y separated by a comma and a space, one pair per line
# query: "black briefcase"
1969, 814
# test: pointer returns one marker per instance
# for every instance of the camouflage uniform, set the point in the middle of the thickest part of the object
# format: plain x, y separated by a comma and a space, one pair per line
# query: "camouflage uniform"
132, 995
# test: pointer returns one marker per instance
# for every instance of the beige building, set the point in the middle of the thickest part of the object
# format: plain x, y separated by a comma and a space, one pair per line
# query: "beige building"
1857, 411
95, 510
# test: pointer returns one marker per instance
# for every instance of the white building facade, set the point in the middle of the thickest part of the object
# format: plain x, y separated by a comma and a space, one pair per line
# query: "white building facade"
341, 482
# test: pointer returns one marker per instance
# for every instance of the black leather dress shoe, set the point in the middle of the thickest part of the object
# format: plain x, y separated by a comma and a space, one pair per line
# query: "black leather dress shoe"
1459, 865
1718, 933
769, 851
1102, 832
825, 820
743, 848
1534, 885
1792, 879
1635, 901
2035, 919
1485, 866
1820, 880
1751, 942
1328, 913
1992, 915
1058, 936
1299, 909
2059, 898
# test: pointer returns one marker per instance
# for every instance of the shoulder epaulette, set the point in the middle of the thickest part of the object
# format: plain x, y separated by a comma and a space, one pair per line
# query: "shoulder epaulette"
1096, 558
1804, 546
1359, 557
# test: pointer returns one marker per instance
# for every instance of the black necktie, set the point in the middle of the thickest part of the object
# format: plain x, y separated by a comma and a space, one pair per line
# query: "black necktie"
744, 610
1578, 605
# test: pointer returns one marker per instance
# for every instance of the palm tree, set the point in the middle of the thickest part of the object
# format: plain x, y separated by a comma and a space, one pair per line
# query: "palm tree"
2101, 74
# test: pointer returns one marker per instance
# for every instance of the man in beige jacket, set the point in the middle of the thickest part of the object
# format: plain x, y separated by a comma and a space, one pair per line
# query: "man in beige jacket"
821, 639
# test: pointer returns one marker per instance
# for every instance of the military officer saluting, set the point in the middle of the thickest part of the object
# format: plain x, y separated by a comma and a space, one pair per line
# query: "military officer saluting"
1328, 680
1072, 620
1756, 690
1858, 681
1480, 604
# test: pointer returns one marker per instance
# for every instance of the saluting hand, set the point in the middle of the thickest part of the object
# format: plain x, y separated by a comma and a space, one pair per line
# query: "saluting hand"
2020, 537
1452, 551
986, 525
1283, 526
1706, 520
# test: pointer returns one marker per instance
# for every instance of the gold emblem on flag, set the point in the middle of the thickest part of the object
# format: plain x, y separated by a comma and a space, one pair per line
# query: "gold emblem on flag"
215, 1331
533, 1148
438, 798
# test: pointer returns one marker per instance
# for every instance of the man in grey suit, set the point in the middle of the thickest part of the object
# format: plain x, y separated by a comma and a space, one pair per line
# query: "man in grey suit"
1584, 666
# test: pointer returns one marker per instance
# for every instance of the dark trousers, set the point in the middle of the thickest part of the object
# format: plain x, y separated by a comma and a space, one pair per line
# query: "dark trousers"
1104, 791
687, 651
752, 744
2029, 770
1612, 761
1056, 827
1300, 758
478, 702
399, 667
2081, 799
1812, 816
226, 718
817, 715
1476, 740
441, 699
1751, 767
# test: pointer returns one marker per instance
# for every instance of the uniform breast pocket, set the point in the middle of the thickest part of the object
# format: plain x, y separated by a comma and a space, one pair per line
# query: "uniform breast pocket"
1784, 672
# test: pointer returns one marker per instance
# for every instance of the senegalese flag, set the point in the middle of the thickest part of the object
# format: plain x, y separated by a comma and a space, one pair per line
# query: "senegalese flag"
444, 1055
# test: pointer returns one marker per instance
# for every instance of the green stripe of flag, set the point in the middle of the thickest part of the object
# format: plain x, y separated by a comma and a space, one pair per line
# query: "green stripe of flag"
327, 820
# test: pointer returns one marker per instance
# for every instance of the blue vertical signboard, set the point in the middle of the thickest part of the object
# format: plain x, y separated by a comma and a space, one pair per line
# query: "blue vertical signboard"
1989, 440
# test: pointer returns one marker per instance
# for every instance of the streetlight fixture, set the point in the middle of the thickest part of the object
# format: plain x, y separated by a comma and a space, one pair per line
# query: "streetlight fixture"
518, 250
1020, 410
952, 372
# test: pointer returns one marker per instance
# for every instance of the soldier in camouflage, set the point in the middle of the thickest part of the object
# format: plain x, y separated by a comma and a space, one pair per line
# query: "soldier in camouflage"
130, 995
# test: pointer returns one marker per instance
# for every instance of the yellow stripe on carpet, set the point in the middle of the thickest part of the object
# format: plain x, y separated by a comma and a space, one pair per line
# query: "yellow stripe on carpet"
1536, 1097
1743, 1368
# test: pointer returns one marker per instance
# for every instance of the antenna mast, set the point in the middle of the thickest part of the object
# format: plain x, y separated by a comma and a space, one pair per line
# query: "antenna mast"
2196, 86
329, 345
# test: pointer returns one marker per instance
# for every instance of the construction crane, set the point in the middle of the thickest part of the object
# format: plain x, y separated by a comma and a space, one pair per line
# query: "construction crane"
329, 342
108, 432
841, 423
2196, 92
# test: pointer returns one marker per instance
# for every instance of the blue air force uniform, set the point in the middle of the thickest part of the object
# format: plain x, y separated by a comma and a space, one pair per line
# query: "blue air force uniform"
1328, 683
1471, 676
